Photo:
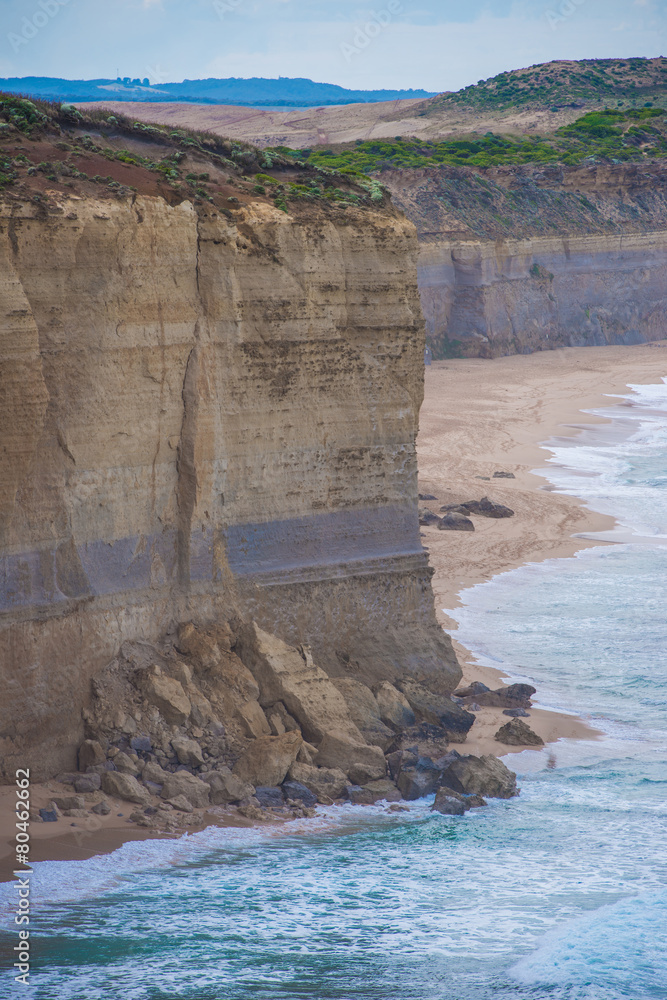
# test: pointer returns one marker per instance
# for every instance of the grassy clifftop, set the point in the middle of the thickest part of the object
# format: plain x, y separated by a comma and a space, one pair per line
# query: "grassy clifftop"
586, 82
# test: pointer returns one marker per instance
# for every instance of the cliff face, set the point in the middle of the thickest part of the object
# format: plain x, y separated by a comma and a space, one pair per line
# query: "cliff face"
204, 416
531, 258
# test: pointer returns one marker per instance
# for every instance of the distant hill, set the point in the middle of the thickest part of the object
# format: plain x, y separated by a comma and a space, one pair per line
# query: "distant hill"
561, 84
255, 92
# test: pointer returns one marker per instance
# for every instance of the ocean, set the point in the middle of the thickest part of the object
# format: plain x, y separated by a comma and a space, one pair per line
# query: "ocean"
559, 894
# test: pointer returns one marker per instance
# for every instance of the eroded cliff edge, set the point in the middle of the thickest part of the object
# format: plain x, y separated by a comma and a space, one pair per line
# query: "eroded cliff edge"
205, 414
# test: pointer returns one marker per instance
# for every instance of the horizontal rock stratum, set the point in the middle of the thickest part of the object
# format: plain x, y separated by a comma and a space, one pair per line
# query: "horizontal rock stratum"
205, 413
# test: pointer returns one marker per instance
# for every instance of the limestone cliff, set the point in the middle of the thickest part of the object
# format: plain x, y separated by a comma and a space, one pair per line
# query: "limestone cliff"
518, 259
204, 412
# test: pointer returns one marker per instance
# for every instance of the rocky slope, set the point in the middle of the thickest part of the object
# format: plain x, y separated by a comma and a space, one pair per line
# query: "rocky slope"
209, 404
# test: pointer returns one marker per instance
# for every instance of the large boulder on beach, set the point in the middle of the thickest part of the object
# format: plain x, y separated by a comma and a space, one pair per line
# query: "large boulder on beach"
485, 776
183, 783
90, 753
518, 734
364, 711
438, 710
227, 787
166, 694
394, 708
267, 760
289, 675
338, 750
487, 508
511, 696
123, 786
327, 783
427, 517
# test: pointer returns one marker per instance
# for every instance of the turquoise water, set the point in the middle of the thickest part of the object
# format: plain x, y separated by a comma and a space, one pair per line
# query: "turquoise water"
560, 894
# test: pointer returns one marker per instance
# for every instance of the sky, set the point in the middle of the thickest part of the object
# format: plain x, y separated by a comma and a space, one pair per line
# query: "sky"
431, 44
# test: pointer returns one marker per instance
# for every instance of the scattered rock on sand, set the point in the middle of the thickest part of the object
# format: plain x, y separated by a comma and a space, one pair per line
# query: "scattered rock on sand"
516, 713
486, 776
87, 783
517, 734
123, 786
267, 760
181, 803
427, 517
454, 521
427, 496
487, 508
48, 815
472, 690
512, 696
504, 475
101, 808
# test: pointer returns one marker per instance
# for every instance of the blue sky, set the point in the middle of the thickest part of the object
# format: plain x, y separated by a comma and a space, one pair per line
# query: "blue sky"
389, 44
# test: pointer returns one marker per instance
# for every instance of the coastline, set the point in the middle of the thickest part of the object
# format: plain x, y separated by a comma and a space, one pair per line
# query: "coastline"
478, 417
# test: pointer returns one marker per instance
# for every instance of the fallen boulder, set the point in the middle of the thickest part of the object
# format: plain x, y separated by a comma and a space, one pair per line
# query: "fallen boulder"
394, 708
374, 791
290, 676
364, 711
124, 763
512, 696
123, 786
338, 750
90, 753
297, 792
181, 803
504, 475
517, 734
270, 797
424, 740
449, 803
427, 517
227, 787
438, 710
327, 783
187, 751
87, 783
485, 776
166, 694
267, 760
183, 783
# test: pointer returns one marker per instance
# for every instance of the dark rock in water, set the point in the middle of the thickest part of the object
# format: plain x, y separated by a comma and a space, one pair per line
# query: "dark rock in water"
87, 783
487, 508
299, 793
270, 797
473, 689
426, 496
474, 801
517, 734
438, 710
414, 784
516, 713
449, 803
455, 522
48, 815
141, 744
427, 516
486, 776
504, 475
422, 740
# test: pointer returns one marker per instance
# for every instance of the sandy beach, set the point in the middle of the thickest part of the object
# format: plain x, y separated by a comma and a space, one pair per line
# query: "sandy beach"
478, 417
